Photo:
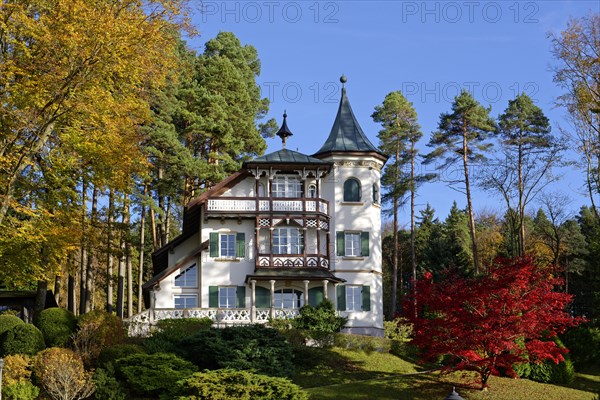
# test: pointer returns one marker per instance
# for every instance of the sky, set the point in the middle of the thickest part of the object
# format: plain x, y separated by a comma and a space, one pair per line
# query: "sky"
429, 50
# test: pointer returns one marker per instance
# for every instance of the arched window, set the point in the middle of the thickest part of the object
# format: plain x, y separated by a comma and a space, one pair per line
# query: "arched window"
375, 194
312, 191
261, 190
352, 190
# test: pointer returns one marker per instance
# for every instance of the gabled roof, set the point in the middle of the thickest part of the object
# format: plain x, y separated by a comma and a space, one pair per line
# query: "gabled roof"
346, 135
285, 156
168, 271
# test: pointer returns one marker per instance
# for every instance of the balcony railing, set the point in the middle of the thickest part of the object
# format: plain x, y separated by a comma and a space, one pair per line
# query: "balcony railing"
292, 261
247, 204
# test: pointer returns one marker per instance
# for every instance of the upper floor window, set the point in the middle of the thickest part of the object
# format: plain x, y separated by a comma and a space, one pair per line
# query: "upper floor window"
288, 241
227, 245
287, 186
352, 190
375, 193
187, 277
352, 244
312, 191
261, 190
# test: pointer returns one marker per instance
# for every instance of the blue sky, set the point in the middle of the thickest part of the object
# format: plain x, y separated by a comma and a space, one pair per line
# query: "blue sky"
427, 49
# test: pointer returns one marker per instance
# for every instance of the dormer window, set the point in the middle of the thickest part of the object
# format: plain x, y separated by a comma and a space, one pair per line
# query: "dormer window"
352, 190
287, 186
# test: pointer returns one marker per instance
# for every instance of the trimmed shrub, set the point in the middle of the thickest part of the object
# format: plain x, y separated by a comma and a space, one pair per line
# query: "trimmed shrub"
364, 343
252, 347
171, 331
583, 343
118, 351
21, 391
320, 322
232, 384
151, 375
107, 386
62, 374
96, 330
57, 326
21, 339
7, 321
399, 329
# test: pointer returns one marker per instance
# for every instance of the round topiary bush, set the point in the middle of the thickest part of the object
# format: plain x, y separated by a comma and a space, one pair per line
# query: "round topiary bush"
57, 326
21, 339
7, 321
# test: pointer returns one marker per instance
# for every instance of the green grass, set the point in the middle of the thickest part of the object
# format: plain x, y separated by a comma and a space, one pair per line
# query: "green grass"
351, 374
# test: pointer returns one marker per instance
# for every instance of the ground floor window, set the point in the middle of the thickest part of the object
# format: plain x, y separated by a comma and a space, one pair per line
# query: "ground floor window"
289, 298
353, 298
227, 296
186, 301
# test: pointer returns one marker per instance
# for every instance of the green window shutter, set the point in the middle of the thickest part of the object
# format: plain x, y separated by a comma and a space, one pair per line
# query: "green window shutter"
213, 296
315, 296
366, 298
240, 239
340, 243
364, 244
263, 297
241, 297
214, 244
341, 297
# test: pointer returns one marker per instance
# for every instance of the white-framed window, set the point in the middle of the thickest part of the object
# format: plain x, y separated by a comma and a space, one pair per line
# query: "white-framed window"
353, 298
312, 191
227, 296
352, 244
287, 186
187, 277
288, 241
352, 190
289, 298
227, 245
186, 301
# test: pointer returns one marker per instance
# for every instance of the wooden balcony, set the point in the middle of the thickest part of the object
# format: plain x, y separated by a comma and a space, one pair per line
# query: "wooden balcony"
292, 261
267, 205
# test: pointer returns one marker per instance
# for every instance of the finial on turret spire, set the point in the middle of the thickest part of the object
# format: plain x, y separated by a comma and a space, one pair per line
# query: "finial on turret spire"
343, 79
284, 132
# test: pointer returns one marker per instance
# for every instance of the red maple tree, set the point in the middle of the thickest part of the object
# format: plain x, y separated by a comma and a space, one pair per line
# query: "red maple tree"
488, 323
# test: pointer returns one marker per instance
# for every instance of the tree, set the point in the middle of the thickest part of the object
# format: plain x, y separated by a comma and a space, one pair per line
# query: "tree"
461, 138
398, 138
528, 154
488, 323
577, 50
62, 375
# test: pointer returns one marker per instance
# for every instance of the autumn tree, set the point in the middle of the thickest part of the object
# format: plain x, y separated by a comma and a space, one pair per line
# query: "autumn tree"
528, 152
488, 323
398, 138
577, 72
461, 139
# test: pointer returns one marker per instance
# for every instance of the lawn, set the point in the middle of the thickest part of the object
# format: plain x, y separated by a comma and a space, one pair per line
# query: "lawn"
353, 374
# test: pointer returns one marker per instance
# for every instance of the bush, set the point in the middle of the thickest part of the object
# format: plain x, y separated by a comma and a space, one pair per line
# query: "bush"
7, 321
583, 343
21, 339
118, 351
96, 330
107, 386
62, 375
21, 391
320, 322
548, 371
399, 329
152, 374
252, 347
57, 326
363, 343
171, 331
241, 385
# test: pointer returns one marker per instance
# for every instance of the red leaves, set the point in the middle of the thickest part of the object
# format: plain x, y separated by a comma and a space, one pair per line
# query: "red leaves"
488, 323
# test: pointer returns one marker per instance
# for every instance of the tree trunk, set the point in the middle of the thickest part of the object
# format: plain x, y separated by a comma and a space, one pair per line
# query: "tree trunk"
109, 252
40, 299
521, 205
153, 228
129, 268
91, 261
57, 289
71, 295
395, 225
83, 251
121, 273
141, 251
469, 203
413, 253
